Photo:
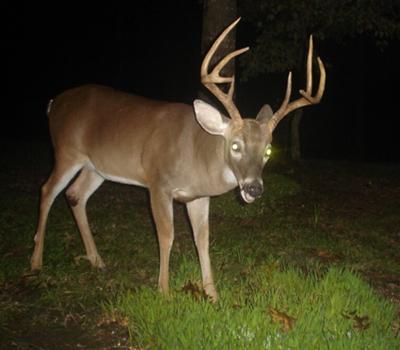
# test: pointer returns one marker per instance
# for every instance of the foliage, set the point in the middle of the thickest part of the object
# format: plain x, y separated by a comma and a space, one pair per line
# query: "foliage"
269, 309
282, 28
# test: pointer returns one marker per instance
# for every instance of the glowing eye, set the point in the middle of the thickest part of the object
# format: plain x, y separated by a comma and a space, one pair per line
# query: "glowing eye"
235, 147
268, 151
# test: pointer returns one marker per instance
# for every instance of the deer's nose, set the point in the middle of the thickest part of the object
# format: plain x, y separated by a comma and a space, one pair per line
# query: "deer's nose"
254, 189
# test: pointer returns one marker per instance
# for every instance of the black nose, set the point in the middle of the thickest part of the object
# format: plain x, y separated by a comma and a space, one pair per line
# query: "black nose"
254, 189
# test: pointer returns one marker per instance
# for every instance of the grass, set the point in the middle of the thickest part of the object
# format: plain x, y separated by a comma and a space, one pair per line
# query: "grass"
313, 264
269, 309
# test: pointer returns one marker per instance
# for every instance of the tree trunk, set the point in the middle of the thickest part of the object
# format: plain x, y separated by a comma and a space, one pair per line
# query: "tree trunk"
295, 144
295, 141
360, 100
217, 15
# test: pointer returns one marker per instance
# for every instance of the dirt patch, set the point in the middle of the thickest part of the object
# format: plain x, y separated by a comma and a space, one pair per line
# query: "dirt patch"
64, 334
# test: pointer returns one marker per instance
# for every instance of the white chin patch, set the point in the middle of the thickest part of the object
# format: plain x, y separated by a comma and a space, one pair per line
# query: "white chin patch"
247, 197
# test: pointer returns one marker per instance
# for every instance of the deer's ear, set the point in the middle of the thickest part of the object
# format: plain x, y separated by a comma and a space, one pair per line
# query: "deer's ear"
210, 119
265, 114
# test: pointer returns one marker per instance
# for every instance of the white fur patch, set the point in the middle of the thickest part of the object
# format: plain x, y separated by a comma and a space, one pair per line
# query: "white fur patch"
65, 179
120, 179
229, 176
49, 106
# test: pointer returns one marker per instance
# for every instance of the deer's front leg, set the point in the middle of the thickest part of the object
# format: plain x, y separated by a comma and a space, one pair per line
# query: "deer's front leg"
162, 208
198, 214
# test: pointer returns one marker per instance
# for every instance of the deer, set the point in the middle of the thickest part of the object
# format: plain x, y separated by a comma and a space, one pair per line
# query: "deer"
179, 152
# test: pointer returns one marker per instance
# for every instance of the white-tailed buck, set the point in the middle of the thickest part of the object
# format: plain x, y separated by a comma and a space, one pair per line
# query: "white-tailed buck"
178, 151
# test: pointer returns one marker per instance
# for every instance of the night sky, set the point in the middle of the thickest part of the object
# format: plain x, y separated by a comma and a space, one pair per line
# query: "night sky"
153, 49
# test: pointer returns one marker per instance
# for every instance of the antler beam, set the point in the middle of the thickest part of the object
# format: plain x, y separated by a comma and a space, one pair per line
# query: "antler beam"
307, 99
209, 80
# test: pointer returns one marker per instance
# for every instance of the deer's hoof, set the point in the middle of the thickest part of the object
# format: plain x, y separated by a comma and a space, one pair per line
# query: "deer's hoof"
211, 293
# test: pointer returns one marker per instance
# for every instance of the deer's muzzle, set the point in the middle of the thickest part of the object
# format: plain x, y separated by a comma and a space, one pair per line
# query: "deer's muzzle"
251, 190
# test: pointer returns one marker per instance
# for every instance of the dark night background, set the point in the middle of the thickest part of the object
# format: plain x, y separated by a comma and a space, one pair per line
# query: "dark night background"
153, 49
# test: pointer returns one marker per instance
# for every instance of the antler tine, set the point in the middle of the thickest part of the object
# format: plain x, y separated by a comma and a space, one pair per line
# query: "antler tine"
307, 99
210, 80
280, 112
309, 65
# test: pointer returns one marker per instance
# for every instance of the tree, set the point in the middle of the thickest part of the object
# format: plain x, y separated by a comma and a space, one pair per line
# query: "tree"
217, 15
282, 28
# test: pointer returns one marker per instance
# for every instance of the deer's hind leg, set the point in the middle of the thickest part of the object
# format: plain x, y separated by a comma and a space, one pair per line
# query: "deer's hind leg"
78, 194
64, 170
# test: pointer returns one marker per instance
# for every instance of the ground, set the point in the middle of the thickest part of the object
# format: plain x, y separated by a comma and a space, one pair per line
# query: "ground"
315, 214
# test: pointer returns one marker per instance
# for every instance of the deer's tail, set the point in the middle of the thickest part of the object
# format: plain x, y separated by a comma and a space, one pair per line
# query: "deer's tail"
49, 106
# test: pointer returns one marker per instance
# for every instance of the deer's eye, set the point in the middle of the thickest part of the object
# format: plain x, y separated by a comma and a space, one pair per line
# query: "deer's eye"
267, 151
235, 147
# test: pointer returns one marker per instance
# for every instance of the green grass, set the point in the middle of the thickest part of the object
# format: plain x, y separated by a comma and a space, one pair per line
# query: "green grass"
324, 310
321, 247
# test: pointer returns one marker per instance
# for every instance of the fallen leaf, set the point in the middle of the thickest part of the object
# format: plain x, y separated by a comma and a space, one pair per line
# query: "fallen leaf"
79, 258
194, 289
327, 255
284, 319
349, 315
360, 323
396, 328
16, 252
30, 275
69, 239
113, 318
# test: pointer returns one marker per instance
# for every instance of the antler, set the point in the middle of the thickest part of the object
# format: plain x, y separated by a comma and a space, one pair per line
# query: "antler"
307, 98
210, 80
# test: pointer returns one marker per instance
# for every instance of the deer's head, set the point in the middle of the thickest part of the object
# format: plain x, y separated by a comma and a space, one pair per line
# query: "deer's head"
248, 141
